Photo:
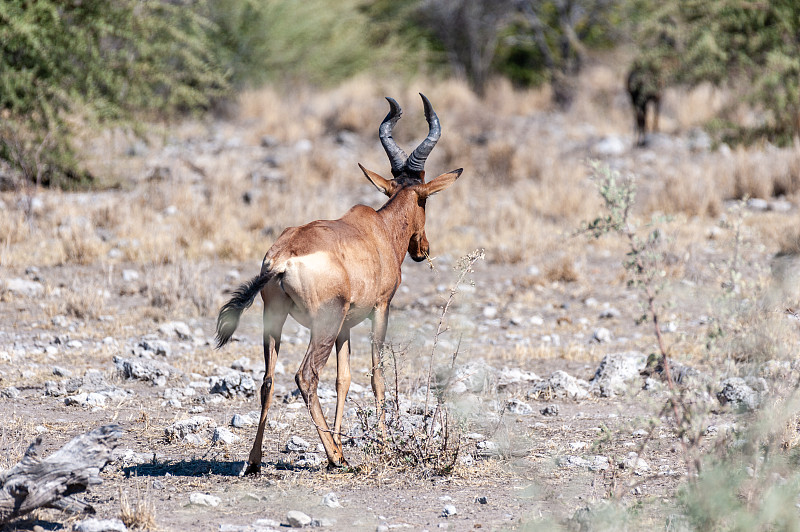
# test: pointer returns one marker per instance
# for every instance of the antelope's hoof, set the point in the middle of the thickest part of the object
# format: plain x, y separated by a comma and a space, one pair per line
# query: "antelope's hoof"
250, 469
340, 465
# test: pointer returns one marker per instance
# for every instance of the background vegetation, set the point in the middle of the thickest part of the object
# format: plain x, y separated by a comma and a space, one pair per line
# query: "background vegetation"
63, 63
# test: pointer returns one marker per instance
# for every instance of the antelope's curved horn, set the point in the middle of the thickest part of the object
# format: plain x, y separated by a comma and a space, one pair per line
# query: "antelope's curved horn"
397, 157
416, 162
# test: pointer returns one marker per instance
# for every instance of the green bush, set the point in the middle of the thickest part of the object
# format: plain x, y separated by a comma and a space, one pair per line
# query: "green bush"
99, 61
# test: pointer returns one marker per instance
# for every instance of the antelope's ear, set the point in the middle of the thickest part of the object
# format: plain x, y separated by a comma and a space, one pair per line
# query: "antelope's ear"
439, 183
384, 185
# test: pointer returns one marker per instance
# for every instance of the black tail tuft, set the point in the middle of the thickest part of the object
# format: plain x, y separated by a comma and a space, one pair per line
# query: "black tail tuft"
243, 297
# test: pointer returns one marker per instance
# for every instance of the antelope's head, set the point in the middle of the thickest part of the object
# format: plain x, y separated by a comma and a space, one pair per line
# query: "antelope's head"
408, 174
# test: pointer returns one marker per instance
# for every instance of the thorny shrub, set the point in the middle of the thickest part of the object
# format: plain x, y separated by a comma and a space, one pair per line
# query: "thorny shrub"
426, 436
748, 478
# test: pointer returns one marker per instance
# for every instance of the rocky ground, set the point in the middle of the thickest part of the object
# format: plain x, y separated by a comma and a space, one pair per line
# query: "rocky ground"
555, 415
108, 303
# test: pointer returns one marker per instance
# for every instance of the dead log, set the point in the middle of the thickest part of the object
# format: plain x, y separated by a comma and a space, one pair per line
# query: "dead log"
51, 482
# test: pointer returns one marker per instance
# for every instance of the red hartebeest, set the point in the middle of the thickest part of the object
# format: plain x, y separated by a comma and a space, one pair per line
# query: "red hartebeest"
330, 275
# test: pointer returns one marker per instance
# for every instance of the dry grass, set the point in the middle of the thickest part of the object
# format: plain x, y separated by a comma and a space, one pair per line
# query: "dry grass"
138, 514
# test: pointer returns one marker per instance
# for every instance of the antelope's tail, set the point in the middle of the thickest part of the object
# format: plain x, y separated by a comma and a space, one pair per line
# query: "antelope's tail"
243, 297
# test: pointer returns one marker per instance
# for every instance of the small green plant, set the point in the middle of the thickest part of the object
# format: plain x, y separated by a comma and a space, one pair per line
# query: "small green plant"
644, 265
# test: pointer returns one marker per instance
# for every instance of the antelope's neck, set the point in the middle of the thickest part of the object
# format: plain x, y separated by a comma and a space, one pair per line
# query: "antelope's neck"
397, 215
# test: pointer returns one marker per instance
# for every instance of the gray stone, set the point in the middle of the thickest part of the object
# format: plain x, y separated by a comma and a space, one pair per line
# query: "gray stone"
549, 410
58, 371
509, 376
615, 371
11, 392
297, 444
739, 393
224, 436
515, 406
559, 384
157, 347
635, 463
233, 384
143, 369
86, 399
595, 463
181, 429
309, 460
609, 313
297, 519
130, 275
99, 525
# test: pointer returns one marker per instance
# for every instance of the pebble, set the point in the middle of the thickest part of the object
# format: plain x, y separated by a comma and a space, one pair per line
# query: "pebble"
449, 510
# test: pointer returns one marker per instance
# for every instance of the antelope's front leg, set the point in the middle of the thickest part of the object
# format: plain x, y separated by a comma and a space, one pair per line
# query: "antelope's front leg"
342, 382
379, 323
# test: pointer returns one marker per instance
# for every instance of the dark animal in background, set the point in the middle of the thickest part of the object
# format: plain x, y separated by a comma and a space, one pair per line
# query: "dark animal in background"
645, 85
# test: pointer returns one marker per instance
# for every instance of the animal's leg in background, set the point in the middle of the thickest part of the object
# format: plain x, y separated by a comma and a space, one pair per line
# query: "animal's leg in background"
342, 382
379, 323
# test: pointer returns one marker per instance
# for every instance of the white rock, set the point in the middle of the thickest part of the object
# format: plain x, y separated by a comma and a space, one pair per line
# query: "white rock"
297, 444
225, 436
176, 328
611, 145
240, 421
297, 519
559, 384
204, 499
490, 312
615, 371
331, 501
449, 510
130, 275
24, 287
601, 334
99, 525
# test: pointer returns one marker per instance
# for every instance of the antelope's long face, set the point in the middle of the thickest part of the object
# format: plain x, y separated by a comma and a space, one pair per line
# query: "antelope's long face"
418, 246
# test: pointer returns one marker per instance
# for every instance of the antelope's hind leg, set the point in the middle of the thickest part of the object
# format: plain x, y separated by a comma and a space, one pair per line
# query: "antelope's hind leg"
326, 325
276, 308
